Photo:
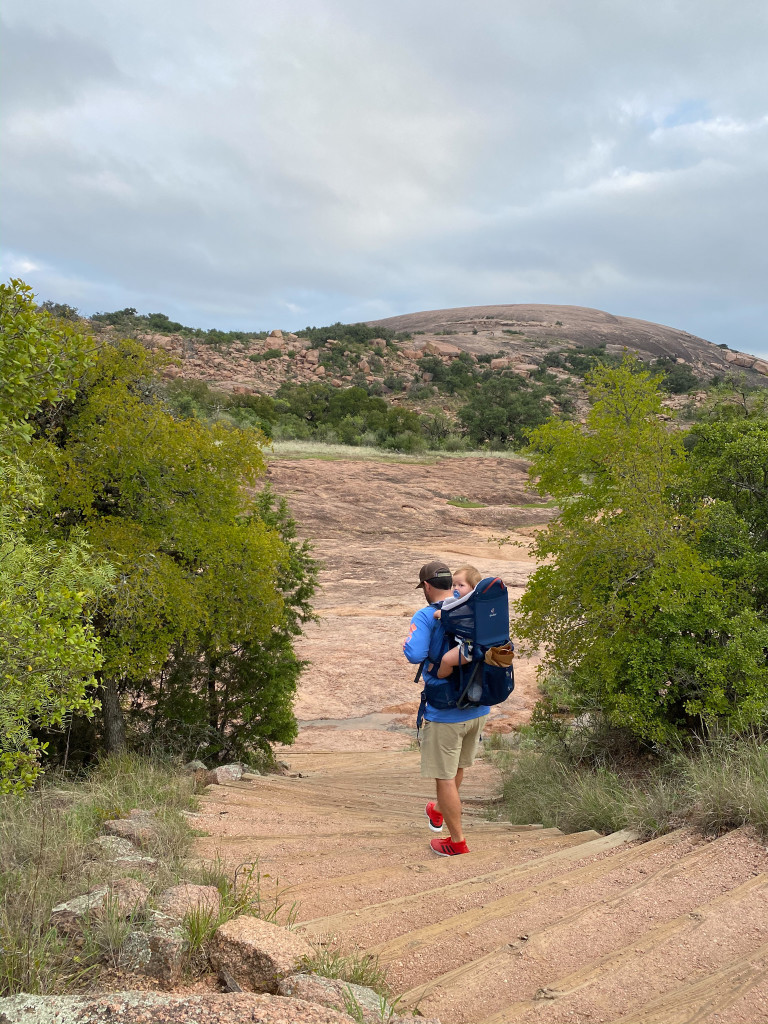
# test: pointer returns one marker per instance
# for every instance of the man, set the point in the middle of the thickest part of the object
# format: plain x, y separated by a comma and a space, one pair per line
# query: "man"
449, 737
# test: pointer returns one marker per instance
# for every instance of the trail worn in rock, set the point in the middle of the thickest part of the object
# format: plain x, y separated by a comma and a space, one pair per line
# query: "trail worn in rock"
373, 525
530, 926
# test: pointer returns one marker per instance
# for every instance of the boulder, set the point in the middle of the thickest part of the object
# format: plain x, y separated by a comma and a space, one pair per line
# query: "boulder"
441, 348
168, 1008
338, 994
179, 900
123, 898
122, 853
255, 953
168, 954
739, 359
139, 827
135, 953
761, 366
225, 773
320, 371
500, 363
275, 334
312, 355
194, 766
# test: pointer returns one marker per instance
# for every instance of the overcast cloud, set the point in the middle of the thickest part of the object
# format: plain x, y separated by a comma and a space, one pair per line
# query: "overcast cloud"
252, 164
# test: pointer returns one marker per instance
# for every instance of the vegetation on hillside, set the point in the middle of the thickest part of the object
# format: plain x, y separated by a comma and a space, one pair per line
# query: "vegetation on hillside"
139, 578
651, 599
128, 322
582, 777
457, 403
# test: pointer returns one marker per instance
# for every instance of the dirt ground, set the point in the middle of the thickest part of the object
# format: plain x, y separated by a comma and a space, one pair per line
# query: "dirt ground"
373, 525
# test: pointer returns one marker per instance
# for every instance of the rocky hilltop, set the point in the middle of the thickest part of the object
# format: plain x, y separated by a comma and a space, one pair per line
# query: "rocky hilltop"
517, 338
526, 331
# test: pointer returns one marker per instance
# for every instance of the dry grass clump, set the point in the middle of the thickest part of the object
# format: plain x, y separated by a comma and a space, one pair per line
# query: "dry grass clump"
353, 966
45, 859
719, 784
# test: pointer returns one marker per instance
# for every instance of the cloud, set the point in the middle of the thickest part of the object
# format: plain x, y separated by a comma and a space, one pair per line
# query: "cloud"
245, 165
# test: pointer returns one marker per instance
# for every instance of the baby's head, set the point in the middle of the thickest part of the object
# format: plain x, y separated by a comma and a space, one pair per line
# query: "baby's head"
465, 579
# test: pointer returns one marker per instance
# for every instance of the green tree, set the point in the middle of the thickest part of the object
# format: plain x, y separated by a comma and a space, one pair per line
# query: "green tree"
503, 410
630, 609
48, 649
227, 700
165, 500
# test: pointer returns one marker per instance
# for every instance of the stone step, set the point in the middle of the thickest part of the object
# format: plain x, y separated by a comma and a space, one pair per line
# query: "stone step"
533, 926
588, 936
436, 899
628, 959
499, 912
359, 890
705, 1001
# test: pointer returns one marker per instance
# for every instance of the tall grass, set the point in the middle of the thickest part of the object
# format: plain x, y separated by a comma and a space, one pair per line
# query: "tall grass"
45, 860
716, 785
243, 893
353, 966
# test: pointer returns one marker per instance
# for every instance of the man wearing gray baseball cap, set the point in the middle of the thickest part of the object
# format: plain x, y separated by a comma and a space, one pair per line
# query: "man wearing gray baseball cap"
450, 736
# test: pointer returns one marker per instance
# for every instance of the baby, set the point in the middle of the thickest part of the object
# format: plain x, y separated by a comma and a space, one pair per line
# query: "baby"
465, 580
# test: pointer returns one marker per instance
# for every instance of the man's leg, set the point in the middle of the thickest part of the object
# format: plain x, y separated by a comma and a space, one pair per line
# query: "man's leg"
448, 800
449, 804
457, 780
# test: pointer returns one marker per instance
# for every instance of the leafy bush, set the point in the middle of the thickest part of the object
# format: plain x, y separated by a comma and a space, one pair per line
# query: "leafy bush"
643, 618
351, 334
503, 410
129, 321
270, 353
678, 378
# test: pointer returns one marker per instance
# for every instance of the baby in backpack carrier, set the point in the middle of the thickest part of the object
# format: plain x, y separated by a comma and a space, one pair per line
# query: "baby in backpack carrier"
465, 579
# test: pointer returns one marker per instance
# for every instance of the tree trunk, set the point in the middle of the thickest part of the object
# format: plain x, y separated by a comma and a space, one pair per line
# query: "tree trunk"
112, 716
213, 700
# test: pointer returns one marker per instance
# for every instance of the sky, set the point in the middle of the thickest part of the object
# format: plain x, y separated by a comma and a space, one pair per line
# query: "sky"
250, 164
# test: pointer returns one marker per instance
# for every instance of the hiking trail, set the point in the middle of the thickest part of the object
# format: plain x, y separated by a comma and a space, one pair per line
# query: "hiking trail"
531, 926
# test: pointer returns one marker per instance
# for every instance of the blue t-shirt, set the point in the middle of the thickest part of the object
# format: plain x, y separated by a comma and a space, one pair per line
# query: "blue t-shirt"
426, 641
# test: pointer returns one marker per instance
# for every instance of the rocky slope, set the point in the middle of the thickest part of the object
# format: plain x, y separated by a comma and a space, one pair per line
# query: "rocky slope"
518, 337
372, 525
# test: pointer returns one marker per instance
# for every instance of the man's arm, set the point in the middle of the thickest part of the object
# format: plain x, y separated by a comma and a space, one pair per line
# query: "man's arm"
416, 646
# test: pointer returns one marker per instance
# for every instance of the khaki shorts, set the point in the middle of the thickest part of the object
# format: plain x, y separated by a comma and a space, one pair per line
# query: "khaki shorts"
448, 746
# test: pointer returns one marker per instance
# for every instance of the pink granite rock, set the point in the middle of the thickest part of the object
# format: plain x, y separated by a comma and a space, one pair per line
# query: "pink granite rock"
181, 899
142, 1007
256, 954
225, 773
124, 897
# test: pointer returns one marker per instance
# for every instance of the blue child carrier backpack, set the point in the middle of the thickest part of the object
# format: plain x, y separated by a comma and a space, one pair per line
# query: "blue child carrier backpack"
480, 620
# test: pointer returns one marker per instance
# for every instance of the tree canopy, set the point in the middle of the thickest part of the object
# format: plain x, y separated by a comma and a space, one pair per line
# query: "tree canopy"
640, 616
141, 571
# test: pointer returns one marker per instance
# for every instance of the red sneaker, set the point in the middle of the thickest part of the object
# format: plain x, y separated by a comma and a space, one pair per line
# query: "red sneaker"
434, 817
445, 847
